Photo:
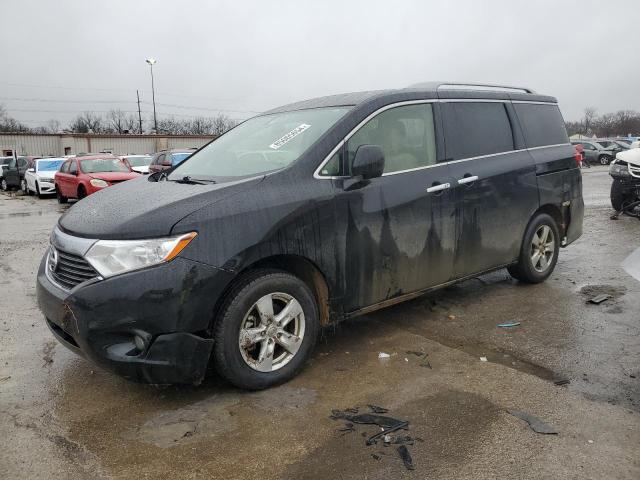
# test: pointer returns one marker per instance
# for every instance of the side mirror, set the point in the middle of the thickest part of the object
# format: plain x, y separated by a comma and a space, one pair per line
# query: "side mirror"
368, 162
32, 170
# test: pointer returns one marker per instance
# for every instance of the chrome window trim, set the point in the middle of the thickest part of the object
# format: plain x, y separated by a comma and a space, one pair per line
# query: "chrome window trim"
354, 130
317, 175
533, 102
550, 146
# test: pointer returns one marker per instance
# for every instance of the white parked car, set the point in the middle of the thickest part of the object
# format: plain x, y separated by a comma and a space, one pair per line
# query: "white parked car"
635, 144
39, 178
138, 163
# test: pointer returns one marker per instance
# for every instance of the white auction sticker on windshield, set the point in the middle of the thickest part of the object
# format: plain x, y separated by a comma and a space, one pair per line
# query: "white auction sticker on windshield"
289, 136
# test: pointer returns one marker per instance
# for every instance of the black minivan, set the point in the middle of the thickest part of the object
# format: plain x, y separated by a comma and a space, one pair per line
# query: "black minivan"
305, 215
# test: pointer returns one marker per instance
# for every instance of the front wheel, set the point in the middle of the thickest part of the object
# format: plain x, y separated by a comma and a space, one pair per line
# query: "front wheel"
3, 185
617, 195
539, 252
61, 198
24, 187
266, 330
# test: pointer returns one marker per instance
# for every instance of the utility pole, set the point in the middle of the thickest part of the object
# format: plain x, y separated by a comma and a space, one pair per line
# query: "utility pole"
139, 114
151, 61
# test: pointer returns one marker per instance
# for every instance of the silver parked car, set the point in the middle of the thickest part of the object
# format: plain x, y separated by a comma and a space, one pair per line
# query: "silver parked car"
595, 152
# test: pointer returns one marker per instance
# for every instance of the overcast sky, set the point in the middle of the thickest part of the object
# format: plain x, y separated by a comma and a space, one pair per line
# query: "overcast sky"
239, 57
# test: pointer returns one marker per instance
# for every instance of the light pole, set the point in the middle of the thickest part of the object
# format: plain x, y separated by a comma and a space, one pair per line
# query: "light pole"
151, 61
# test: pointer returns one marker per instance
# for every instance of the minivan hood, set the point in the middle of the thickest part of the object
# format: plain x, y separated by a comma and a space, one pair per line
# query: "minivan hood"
143, 209
630, 156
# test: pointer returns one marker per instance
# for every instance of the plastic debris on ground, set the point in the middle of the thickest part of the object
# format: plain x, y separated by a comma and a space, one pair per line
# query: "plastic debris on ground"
383, 355
535, 423
509, 324
598, 299
406, 457
388, 425
564, 381
483, 359
423, 356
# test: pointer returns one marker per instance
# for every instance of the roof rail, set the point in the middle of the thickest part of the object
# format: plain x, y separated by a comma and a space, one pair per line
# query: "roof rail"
460, 85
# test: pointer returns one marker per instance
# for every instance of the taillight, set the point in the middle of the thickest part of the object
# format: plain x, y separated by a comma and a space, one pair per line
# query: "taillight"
578, 158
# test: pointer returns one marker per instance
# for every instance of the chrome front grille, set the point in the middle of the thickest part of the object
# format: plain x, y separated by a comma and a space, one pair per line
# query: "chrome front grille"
69, 270
634, 170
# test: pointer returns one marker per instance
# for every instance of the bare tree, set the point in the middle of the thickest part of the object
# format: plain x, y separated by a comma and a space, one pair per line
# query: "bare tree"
120, 122
9, 124
222, 123
589, 117
53, 126
87, 122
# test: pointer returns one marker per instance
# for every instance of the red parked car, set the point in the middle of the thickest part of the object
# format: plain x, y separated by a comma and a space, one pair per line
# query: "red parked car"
82, 176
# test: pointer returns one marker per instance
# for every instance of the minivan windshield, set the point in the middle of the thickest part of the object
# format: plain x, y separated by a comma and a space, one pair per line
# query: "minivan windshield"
261, 144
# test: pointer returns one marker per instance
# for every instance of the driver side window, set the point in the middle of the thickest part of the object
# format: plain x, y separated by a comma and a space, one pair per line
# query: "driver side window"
406, 135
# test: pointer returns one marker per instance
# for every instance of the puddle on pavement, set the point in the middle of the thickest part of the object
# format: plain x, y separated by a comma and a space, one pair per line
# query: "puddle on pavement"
451, 424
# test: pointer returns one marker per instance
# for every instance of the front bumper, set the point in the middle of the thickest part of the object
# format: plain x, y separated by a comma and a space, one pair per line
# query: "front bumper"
169, 307
46, 187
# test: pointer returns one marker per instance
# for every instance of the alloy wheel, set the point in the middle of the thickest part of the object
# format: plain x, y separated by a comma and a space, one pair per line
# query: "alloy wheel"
271, 332
23, 185
542, 248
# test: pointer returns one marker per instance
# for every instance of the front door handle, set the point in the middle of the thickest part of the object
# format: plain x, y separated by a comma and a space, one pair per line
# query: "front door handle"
464, 180
439, 187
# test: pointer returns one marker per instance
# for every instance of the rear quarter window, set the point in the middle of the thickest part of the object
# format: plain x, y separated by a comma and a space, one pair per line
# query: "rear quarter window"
474, 129
542, 125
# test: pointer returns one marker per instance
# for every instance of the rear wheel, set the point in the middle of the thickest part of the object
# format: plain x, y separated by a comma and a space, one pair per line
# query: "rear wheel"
605, 159
23, 186
266, 330
61, 198
539, 252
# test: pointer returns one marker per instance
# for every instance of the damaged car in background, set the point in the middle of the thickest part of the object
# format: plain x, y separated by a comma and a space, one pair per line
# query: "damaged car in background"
305, 215
625, 188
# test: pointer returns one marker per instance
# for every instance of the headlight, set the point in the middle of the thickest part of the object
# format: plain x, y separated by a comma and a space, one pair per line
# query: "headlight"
96, 182
618, 170
112, 257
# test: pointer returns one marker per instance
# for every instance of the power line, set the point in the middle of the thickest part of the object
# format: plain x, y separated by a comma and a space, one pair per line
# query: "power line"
17, 99
56, 87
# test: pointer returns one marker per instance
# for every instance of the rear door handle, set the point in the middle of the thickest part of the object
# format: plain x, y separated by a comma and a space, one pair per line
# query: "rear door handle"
438, 188
464, 180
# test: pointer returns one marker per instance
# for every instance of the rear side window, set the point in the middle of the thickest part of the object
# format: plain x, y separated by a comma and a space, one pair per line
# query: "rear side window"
541, 124
473, 129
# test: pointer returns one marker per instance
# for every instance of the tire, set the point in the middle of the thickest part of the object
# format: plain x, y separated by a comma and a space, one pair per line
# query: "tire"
617, 195
81, 192
526, 270
24, 187
3, 185
605, 159
61, 199
242, 366
29, 191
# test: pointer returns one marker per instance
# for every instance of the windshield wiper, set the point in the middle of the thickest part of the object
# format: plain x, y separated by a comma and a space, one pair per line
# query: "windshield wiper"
192, 181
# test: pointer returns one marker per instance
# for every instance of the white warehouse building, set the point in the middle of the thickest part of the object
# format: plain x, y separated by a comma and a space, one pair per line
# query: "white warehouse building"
59, 144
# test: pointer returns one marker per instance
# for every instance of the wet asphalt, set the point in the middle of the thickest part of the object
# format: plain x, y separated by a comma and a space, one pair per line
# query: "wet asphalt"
62, 417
